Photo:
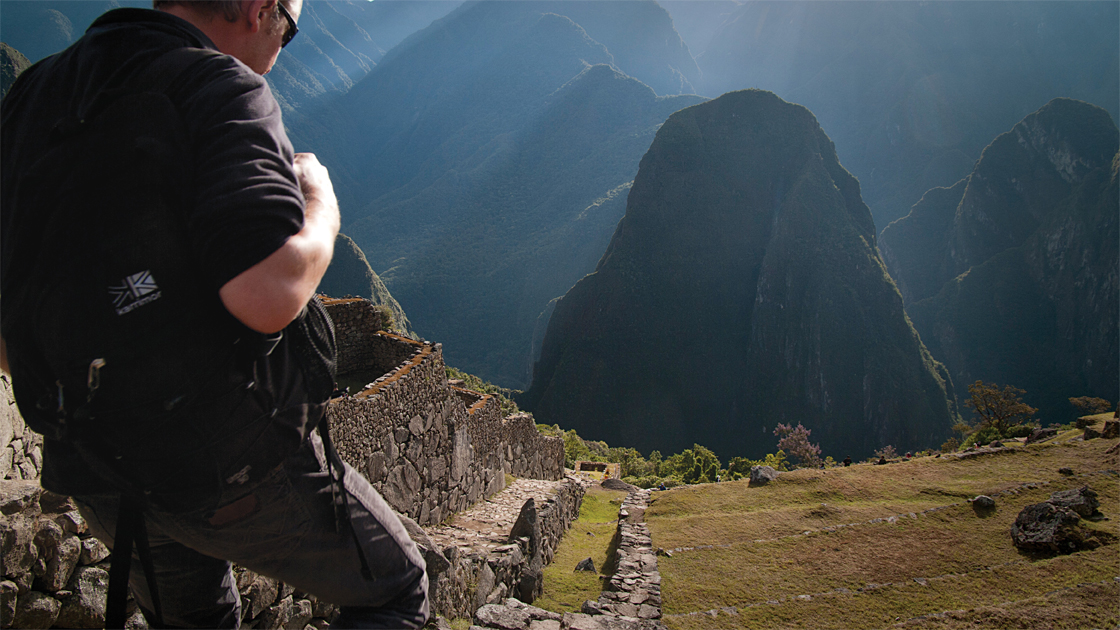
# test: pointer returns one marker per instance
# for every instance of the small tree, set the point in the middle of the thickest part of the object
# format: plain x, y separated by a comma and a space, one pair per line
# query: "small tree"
690, 465
1088, 406
575, 449
998, 409
795, 442
887, 452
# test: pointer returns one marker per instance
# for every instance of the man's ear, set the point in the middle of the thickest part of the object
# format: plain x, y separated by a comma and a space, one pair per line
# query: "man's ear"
254, 12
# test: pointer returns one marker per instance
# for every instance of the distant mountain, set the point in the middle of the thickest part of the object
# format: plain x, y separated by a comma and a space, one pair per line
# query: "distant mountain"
12, 63
484, 163
1011, 275
340, 41
743, 288
698, 21
911, 92
349, 275
38, 28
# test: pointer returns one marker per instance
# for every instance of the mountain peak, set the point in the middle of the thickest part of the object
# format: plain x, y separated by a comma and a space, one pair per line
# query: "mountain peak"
742, 288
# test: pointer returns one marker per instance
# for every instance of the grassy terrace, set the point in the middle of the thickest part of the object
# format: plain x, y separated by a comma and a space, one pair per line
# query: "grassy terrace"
589, 537
800, 551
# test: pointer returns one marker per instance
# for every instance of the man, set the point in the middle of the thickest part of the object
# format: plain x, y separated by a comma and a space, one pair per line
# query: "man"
261, 224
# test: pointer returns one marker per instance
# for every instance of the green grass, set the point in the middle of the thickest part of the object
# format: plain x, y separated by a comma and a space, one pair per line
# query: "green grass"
770, 547
590, 536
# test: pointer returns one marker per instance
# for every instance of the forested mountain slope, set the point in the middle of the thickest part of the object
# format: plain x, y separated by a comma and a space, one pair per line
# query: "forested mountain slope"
484, 163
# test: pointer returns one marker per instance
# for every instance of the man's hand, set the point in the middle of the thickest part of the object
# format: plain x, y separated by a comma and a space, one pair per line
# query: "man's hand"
314, 181
269, 295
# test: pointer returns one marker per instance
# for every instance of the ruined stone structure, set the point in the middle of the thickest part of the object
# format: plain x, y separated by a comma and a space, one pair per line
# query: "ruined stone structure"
609, 470
431, 449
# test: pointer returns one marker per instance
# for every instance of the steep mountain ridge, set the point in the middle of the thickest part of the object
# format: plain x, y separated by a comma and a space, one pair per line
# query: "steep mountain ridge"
742, 288
12, 63
1012, 274
349, 274
911, 92
340, 41
482, 165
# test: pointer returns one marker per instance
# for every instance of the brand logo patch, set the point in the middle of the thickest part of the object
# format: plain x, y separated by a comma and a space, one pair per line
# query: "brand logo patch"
134, 291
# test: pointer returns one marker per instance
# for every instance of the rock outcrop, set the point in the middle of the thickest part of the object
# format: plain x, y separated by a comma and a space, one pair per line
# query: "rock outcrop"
762, 475
1053, 526
1027, 247
743, 287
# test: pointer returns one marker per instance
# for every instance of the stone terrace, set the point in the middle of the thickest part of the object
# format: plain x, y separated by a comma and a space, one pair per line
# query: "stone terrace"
486, 526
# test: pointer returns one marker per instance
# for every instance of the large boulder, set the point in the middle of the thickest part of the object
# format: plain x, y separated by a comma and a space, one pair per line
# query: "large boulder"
1041, 434
528, 526
1082, 500
1111, 429
495, 616
85, 608
1046, 527
617, 484
762, 475
36, 610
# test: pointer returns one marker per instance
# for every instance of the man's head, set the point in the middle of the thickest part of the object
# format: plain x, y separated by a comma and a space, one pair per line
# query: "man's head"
250, 30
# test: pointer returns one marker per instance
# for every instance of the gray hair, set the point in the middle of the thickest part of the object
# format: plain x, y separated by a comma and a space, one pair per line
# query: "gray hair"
228, 9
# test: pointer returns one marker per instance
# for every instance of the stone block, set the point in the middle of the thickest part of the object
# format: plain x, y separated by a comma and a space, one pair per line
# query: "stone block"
501, 617
85, 608
93, 551
9, 592
18, 497
259, 596
278, 615
36, 610
64, 558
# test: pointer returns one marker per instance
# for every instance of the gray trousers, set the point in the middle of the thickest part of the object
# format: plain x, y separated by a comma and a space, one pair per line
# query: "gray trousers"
285, 529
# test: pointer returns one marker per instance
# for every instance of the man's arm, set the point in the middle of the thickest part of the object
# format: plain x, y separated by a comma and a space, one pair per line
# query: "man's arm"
269, 295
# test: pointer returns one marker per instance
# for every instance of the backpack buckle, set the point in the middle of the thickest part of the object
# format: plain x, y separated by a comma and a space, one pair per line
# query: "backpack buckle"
93, 379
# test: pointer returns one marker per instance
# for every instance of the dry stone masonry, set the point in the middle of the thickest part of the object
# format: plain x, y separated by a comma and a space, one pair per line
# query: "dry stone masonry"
431, 449
630, 601
21, 449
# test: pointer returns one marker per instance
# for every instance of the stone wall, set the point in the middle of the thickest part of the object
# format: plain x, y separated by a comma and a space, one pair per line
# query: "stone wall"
470, 580
354, 321
429, 448
21, 449
56, 574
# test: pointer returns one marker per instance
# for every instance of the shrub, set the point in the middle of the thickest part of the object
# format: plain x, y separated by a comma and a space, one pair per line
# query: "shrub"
385, 314
887, 452
1019, 430
982, 437
795, 441
950, 445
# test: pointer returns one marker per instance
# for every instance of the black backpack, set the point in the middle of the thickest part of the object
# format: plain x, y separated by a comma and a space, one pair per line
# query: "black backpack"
117, 347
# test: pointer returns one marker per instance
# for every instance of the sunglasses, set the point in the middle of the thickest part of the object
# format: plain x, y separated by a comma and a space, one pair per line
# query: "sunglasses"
292, 28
